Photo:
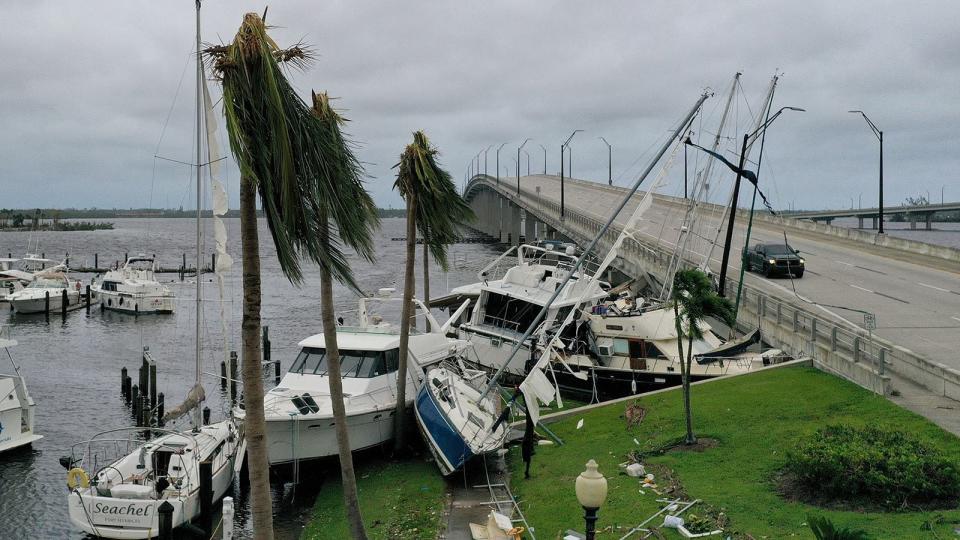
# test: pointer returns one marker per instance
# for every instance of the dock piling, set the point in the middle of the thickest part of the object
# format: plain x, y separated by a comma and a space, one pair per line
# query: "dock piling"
233, 376
46, 303
86, 295
206, 494
206, 416
63, 304
223, 374
165, 517
135, 399
160, 409
123, 381
153, 385
227, 518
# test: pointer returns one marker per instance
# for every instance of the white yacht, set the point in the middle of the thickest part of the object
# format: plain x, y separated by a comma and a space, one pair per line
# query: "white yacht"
130, 478
16, 405
505, 307
12, 279
298, 411
133, 288
53, 282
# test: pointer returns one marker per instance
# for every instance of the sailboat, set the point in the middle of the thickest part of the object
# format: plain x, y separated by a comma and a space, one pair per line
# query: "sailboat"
444, 435
16, 406
120, 497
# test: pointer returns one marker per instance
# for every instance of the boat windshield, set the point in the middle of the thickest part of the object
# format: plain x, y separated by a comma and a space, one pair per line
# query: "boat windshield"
48, 283
353, 364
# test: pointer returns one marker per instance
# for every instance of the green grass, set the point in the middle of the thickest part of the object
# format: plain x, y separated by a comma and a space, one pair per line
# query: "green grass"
399, 499
755, 418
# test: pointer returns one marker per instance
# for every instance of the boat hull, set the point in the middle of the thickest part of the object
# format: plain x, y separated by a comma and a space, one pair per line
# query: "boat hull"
445, 443
298, 439
138, 304
38, 304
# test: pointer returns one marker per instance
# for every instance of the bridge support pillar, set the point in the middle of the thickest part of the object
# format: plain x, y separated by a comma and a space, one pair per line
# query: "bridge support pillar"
929, 220
913, 221
874, 226
859, 222
530, 228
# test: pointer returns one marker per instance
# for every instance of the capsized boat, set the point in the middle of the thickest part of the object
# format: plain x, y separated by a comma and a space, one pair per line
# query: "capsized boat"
456, 420
298, 411
16, 405
133, 288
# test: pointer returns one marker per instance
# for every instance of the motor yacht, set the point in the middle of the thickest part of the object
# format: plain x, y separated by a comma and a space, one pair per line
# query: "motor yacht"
133, 288
16, 405
47, 283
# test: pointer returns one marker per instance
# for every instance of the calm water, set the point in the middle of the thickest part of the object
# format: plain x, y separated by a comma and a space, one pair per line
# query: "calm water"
72, 368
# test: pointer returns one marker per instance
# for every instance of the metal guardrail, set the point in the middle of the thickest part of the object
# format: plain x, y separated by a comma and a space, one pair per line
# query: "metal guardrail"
812, 335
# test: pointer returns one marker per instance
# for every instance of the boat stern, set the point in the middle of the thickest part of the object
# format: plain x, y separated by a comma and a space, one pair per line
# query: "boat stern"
113, 517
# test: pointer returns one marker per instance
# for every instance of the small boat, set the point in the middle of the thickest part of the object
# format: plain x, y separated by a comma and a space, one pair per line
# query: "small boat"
457, 422
16, 407
298, 411
53, 283
133, 288
12, 279
34, 263
132, 478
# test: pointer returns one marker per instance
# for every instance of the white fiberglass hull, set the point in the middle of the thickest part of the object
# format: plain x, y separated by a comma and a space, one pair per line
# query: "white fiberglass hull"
298, 438
38, 303
13, 434
136, 303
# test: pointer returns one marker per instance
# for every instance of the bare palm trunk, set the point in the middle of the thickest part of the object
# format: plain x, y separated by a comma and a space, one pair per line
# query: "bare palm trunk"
426, 279
258, 468
406, 314
684, 373
691, 438
347, 474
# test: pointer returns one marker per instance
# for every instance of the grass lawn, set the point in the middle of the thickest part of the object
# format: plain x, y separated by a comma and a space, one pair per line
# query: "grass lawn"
756, 419
401, 499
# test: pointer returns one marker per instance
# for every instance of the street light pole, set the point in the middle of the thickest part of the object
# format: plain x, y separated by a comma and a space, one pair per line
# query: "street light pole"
485, 159
879, 134
545, 159
498, 162
609, 162
518, 162
562, 146
528, 161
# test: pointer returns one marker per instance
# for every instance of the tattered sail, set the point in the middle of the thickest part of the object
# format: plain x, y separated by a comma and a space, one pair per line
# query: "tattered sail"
194, 398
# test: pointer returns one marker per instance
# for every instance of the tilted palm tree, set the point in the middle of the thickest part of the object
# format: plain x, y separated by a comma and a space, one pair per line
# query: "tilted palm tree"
347, 171
693, 300
435, 209
283, 152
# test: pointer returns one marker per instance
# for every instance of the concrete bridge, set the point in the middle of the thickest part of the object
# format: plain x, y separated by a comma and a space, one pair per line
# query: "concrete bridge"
912, 288
914, 213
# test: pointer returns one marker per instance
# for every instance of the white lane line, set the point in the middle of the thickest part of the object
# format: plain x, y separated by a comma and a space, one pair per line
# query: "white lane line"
841, 262
932, 287
861, 288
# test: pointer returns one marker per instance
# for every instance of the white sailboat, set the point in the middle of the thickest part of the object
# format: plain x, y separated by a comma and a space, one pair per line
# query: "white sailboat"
298, 411
133, 288
119, 497
16, 405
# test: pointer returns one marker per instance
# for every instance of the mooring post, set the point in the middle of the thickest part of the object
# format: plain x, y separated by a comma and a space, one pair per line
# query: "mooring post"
96, 261
206, 494
227, 518
213, 262
63, 304
266, 343
165, 517
86, 295
153, 385
46, 303
206, 416
127, 385
123, 381
276, 372
223, 374
160, 408
146, 411
66, 259
233, 376
135, 399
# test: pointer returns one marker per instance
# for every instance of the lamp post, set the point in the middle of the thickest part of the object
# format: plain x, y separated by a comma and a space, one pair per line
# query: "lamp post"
516, 167
544, 148
562, 146
609, 162
528, 162
591, 488
859, 201
519, 148
485, 159
498, 161
879, 134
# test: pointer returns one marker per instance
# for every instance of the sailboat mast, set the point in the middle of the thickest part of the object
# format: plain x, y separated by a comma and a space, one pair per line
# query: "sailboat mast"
199, 300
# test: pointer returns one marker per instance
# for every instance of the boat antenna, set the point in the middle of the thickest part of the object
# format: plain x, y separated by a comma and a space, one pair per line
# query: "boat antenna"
199, 299
586, 252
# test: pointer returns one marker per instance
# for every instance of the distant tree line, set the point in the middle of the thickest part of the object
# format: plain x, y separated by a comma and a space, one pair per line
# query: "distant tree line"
17, 218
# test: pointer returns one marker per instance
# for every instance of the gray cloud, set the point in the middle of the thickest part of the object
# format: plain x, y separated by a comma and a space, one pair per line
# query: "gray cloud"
85, 88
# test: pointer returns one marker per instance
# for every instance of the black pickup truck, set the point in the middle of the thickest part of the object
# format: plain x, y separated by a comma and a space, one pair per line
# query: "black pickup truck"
775, 259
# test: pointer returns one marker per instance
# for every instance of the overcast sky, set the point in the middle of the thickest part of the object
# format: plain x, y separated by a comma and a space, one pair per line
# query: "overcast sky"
85, 89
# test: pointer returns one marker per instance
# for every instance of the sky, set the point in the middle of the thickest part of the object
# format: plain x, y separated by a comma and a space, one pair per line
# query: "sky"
91, 91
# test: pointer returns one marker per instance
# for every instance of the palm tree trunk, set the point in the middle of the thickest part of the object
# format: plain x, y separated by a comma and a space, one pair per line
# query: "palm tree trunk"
347, 474
684, 372
426, 279
406, 314
691, 438
258, 468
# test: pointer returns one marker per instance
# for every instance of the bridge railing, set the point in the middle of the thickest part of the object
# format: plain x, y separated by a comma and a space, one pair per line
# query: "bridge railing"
839, 345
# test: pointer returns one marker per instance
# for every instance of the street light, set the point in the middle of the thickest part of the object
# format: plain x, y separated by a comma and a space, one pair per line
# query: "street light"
609, 161
591, 488
528, 162
879, 134
545, 159
562, 146
485, 159
498, 162
518, 162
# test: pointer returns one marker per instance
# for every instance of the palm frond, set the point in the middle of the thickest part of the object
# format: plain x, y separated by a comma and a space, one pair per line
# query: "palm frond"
440, 209
694, 295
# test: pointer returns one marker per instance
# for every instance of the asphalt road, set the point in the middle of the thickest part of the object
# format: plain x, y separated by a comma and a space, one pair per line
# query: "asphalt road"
917, 304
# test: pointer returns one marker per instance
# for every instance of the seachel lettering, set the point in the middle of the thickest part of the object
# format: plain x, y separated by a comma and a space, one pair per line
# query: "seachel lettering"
129, 510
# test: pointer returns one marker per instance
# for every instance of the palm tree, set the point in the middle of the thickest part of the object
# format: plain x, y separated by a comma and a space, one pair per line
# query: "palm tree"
283, 151
435, 209
348, 172
694, 299
824, 529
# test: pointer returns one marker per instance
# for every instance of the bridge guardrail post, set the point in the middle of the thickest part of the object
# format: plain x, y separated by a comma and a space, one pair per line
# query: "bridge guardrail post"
833, 339
813, 329
796, 320
882, 360
779, 312
856, 348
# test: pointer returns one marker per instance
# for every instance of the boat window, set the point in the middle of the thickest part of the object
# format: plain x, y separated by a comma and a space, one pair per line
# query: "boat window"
47, 283
503, 311
621, 347
392, 360
311, 360
353, 364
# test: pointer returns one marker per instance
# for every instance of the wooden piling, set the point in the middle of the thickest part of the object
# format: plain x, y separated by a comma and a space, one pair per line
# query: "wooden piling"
63, 304
165, 517
223, 374
96, 261
146, 411
206, 416
46, 303
153, 386
233, 376
123, 381
266, 343
206, 495
276, 372
135, 399
213, 264
86, 294
160, 409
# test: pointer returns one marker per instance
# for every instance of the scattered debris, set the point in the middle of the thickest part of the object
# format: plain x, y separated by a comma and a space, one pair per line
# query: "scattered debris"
580, 424
634, 415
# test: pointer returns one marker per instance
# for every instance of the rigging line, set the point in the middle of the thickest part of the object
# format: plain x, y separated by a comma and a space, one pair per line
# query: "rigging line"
166, 121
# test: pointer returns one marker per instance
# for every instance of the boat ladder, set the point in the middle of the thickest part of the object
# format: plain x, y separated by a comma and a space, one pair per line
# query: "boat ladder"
503, 501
